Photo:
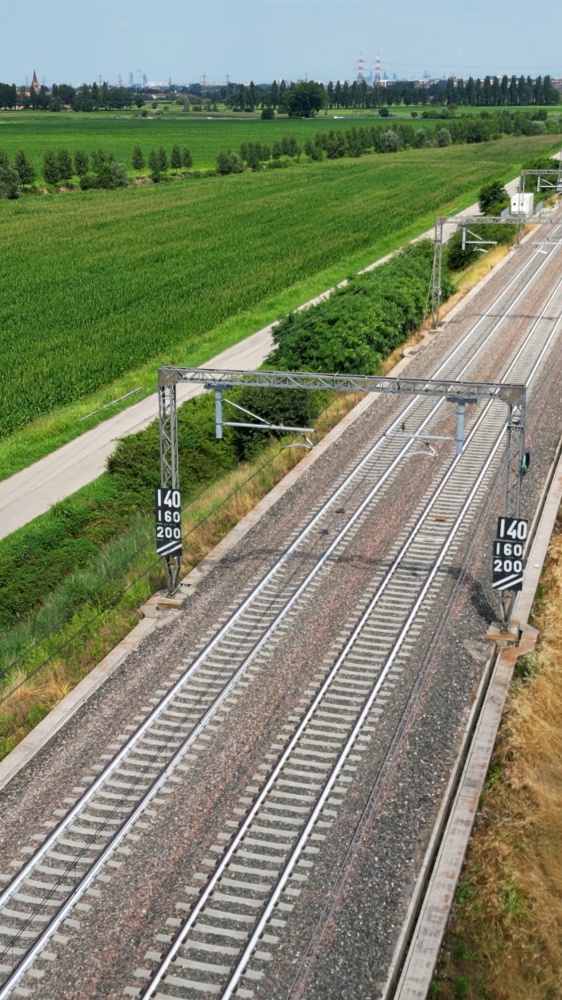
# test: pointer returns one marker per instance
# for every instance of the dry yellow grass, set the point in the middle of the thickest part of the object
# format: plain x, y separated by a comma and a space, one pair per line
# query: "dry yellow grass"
505, 939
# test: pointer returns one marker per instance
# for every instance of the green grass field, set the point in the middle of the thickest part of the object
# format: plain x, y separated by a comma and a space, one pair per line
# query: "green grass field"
120, 132
100, 283
205, 137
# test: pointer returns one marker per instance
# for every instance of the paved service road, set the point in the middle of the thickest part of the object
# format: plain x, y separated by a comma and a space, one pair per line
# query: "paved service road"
32, 491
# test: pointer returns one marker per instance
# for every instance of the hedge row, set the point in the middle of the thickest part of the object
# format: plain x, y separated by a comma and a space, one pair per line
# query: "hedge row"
357, 140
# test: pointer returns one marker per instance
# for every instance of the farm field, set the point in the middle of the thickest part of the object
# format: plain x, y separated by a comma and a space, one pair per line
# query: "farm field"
119, 133
205, 136
108, 281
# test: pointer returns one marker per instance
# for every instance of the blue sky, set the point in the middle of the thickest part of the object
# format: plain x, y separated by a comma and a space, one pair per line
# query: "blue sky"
267, 39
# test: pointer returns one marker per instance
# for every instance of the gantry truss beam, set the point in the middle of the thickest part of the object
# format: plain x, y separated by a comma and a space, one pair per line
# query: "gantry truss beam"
211, 378
543, 175
464, 221
460, 393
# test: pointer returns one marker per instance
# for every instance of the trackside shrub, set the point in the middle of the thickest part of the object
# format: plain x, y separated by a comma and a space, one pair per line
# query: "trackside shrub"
358, 326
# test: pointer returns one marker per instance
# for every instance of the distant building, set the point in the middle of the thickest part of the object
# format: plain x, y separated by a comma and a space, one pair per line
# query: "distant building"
35, 83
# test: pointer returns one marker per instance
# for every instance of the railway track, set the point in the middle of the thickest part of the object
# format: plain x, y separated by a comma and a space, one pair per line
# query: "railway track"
313, 771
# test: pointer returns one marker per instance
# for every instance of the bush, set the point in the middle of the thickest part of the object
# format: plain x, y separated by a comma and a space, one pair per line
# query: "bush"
155, 166
492, 195
389, 142
138, 160
162, 159
443, 137
135, 463
64, 162
9, 183
229, 163
51, 171
24, 168
457, 258
88, 182
81, 163
361, 324
268, 114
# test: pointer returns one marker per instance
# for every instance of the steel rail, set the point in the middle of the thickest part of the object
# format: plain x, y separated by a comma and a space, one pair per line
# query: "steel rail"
20, 877
272, 779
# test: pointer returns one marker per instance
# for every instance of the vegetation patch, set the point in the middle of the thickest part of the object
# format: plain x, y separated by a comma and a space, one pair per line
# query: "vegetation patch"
78, 558
114, 281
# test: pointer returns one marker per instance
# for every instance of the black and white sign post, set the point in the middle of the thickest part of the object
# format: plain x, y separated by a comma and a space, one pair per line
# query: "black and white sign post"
168, 499
168, 530
508, 565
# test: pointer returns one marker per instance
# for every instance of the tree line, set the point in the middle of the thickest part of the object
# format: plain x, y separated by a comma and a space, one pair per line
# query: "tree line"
359, 139
492, 91
101, 169
88, 97
97, 169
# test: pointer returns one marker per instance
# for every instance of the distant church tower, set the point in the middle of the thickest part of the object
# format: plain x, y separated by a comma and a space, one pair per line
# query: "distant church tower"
35, 83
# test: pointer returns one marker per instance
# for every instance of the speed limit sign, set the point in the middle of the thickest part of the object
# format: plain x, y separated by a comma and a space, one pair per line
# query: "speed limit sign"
168, 522
508, 566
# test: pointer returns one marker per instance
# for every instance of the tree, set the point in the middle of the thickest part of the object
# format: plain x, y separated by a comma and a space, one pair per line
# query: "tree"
118, 174
51, 167
64, 161
8, 95
154, 164
138, 158
186, 158
268, 114
274, 95
389, 142
9, 182
305, 100
443, 137
313, 150
492, 195
81, 162
229, 163
138, 100
24, 167
162, 158
175, 158
550, 94
99, 157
